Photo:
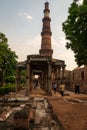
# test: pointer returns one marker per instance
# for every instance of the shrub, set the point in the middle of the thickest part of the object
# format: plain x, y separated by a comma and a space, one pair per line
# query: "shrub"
10, 79
7, 88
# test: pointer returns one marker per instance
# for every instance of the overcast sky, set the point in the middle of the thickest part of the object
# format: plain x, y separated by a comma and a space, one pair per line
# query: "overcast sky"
21, 22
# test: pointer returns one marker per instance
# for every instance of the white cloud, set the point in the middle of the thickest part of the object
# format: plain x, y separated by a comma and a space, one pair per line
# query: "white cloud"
28, 17
25, 14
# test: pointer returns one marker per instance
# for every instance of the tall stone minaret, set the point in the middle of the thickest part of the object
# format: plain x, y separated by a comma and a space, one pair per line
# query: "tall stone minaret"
46, 33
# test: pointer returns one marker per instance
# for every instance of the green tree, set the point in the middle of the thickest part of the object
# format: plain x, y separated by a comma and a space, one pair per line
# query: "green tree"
75, 29
7, 59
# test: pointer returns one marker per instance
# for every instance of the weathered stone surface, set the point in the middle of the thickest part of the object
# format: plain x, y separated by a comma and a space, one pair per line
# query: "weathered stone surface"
21, 119
79, 77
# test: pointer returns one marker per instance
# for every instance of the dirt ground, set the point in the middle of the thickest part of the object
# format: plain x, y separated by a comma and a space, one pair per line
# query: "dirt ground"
73, 116
70, 109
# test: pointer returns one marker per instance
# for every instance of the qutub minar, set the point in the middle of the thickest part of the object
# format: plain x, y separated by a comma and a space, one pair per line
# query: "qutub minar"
46, 33
43, 65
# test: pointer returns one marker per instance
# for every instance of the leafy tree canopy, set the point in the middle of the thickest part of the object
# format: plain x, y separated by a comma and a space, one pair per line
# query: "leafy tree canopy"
75, 29
7, 58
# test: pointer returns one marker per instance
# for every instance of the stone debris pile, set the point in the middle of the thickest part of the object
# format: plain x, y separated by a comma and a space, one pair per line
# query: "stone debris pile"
35, 114
44, 119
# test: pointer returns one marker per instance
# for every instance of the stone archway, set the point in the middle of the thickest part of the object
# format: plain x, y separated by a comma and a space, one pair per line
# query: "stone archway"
40, 65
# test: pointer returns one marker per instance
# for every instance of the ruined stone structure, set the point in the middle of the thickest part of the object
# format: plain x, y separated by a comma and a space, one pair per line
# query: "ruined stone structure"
67, 80
43, 65
79, 78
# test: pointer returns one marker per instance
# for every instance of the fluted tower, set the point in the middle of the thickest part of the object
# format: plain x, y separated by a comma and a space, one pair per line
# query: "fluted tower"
46, 49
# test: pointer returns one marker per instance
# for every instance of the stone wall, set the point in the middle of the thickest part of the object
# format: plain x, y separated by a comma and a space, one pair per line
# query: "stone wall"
67, 79
79, 77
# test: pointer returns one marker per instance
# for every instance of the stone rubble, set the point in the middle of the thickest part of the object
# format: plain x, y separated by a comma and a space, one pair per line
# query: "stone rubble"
39, 116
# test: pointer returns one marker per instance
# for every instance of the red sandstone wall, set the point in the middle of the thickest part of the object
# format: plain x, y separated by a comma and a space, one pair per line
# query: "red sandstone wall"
79, 76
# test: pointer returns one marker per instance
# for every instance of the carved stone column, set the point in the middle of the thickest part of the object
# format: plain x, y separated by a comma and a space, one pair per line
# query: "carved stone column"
59, 70
17, 79
55, 73
63, 71
49, 79
28, 80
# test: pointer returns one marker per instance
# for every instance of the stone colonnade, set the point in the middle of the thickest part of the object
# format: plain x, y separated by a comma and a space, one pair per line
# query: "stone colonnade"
49, 72
58, 73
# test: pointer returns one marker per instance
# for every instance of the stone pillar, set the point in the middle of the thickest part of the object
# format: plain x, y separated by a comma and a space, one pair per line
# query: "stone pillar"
54, 74
49, 79
57, 74
59, 70
17, 79
63, 71
28, 80
46, 80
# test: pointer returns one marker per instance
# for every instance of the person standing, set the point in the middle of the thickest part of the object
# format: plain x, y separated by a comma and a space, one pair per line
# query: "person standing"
54, 84
62, 89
